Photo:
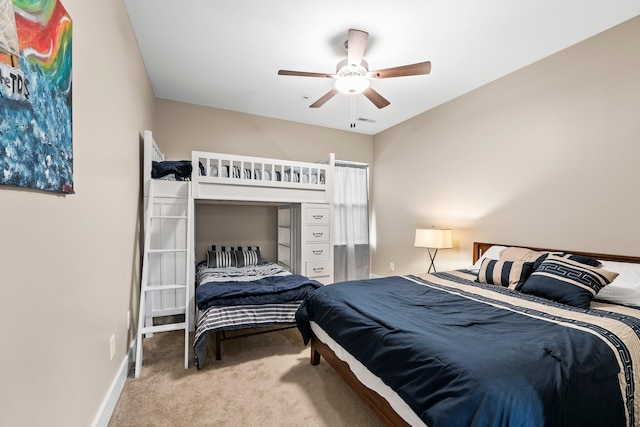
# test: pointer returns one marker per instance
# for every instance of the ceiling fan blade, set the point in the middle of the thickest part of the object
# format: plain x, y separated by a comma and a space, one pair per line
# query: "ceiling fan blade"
327, 96
304, 74
405, 70
377, 99
356, 45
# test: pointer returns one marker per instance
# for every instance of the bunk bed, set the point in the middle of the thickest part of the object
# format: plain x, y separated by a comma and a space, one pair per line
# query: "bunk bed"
241, 295
505, 342
301, 191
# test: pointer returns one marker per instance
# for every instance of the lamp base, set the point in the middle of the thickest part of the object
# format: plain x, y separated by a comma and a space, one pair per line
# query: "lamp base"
433, 258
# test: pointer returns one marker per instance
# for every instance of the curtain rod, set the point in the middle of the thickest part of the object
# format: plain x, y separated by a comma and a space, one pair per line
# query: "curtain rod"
348, 163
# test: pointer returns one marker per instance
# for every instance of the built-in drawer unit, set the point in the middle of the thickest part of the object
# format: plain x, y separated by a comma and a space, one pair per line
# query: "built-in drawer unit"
305, 240
317, 246
318, 269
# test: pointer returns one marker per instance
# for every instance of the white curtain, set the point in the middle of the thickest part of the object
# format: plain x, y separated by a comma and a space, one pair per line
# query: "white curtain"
351, 212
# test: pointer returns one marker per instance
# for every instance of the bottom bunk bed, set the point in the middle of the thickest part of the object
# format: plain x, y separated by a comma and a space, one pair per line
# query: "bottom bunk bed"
237, 289
528, 341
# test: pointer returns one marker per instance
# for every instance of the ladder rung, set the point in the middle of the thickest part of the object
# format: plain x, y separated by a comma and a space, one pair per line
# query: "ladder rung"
164, 328
164, 287
168, 217
158, 251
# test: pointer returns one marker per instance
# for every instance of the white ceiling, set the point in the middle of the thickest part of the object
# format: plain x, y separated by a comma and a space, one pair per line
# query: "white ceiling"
226, 54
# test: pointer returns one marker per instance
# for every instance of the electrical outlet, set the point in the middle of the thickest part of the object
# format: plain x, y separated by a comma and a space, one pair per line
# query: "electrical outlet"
112, 346
128, 320
392, 267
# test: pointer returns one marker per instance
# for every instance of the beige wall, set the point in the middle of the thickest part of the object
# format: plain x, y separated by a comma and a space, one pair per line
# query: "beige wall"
182, 128
236, 225
69, 264
547, 156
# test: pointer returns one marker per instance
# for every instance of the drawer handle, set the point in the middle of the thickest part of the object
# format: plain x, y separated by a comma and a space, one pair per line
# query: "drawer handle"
318, 269
318, 216
317, 234
318, 252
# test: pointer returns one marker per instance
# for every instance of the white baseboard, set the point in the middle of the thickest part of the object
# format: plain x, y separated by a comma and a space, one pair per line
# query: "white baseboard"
111, 399
374, 276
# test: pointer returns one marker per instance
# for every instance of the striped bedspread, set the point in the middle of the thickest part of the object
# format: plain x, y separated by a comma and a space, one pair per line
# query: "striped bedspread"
235, 298
460, 353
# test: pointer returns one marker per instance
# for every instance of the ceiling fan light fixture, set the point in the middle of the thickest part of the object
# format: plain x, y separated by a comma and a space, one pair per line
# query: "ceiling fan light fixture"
352, 84
352, 74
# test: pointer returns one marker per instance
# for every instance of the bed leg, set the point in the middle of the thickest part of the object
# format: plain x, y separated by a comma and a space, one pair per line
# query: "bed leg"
218, 355
315, 356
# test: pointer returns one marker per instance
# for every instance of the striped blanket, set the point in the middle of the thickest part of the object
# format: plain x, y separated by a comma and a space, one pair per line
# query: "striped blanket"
235, 298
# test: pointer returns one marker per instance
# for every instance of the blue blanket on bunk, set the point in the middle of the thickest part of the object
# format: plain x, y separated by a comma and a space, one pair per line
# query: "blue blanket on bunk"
466, 354
181, 169
267, 290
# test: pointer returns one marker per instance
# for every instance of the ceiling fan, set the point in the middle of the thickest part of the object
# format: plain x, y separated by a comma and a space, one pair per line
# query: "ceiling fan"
353, 76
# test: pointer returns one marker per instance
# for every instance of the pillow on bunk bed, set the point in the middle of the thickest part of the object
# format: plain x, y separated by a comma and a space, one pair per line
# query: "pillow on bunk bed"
233, 256
249, 256
222, 258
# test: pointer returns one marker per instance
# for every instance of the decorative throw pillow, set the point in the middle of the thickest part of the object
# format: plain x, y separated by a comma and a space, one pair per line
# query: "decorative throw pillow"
217, 259
515, 253
511, 274
492, 253
583, 260
567, 281
579, 258
249, 256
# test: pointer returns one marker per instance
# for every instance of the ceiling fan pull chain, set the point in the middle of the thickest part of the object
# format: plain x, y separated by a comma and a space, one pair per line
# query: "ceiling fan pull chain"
353, 111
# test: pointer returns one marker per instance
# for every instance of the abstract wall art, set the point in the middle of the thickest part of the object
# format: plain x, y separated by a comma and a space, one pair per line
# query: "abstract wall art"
36, 138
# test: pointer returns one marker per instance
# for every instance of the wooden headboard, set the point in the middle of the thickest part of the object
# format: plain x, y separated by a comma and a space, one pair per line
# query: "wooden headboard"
480, 248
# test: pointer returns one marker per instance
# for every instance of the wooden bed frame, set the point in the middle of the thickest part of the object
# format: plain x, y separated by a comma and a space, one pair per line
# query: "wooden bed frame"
377, 403
480, 248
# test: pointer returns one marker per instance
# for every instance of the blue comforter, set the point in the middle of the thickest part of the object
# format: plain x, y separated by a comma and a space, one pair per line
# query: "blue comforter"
462, 354
266, 290
178, 168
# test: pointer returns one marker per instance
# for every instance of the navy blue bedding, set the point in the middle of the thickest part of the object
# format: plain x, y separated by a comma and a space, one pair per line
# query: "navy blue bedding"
179, 168
267, 290
460, 353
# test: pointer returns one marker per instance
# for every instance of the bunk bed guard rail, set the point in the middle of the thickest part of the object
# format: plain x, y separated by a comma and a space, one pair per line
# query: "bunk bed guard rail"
233, 177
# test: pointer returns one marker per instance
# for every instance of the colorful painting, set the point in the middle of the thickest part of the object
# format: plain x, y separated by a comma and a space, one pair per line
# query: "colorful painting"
36, 149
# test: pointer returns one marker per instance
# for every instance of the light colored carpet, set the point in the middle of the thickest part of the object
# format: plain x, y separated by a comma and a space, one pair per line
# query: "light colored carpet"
262, 380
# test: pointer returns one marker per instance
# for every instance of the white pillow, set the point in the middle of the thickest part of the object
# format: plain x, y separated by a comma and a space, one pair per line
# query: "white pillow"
492, 253
625, 289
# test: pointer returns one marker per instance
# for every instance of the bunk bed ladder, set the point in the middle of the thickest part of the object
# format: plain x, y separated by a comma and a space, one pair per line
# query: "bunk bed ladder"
155, 248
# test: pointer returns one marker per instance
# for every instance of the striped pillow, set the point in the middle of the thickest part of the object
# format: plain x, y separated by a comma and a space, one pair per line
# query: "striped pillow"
249, 256
567, 281
511, 274
217, 259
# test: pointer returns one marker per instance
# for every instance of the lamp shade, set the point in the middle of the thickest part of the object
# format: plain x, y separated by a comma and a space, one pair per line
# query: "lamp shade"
435, 238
